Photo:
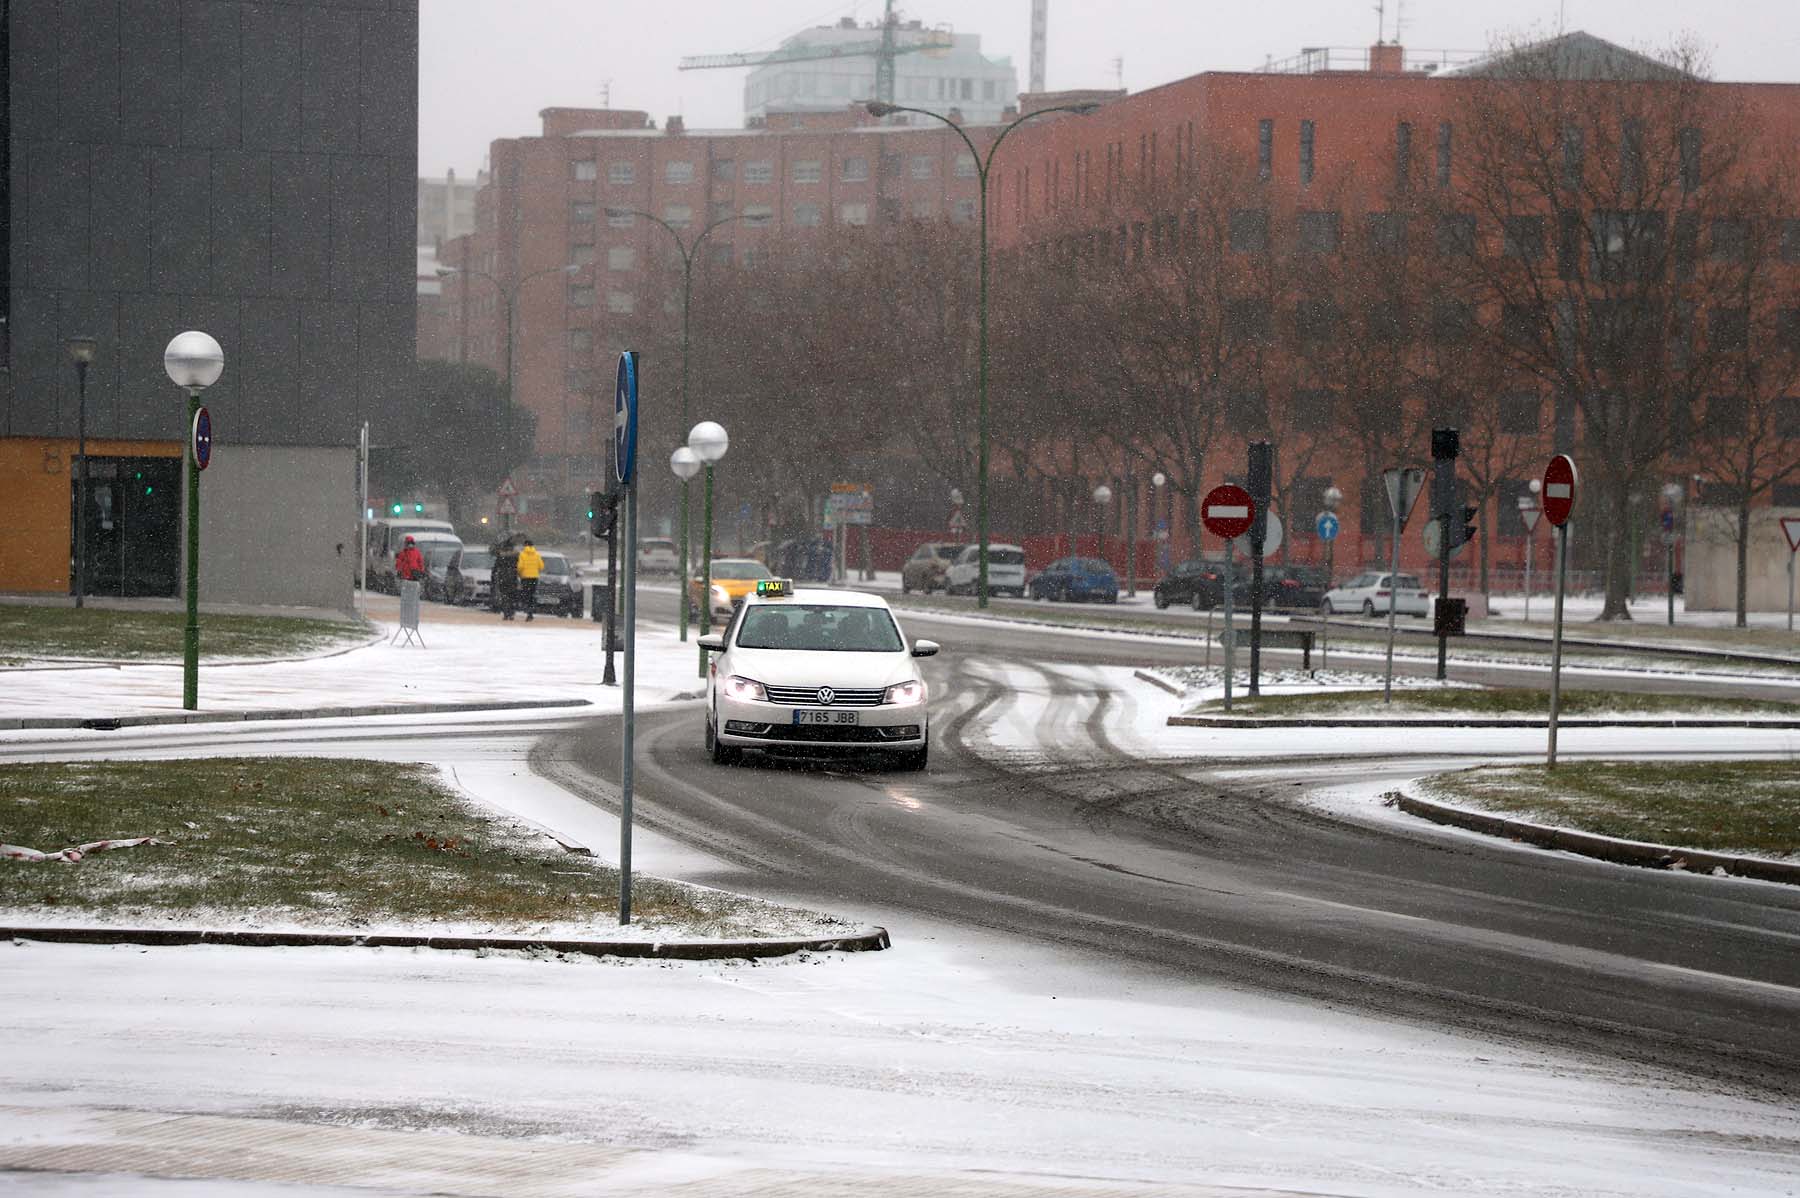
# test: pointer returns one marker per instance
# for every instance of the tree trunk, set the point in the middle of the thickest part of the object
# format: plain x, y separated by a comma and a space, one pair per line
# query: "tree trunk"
1743, 558
1618, 555
1484, 538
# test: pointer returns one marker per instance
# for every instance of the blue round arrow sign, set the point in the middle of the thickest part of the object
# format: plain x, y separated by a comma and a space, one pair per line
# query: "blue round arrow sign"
1328, 526
202, 439
625, 418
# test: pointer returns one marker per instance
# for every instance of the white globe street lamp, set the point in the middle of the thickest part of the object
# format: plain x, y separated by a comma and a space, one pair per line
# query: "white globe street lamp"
193, 361
1102, 497
685, 463
708, 441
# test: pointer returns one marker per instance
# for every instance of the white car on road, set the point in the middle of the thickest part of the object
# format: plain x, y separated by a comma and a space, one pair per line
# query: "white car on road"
1006, 571
657, 555
1370, 591
801, 672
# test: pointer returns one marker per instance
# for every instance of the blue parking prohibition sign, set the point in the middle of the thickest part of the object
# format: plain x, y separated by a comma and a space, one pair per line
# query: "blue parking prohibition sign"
202, 438
625, 418
1328, 526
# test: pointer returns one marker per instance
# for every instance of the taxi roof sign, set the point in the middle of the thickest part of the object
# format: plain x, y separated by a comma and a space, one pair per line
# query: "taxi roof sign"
774, 588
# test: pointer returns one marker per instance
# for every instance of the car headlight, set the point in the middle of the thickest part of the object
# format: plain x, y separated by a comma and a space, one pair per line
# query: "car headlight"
904, 694
720, 595
739, 687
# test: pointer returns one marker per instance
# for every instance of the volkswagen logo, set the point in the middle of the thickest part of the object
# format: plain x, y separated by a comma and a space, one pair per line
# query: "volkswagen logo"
827, 696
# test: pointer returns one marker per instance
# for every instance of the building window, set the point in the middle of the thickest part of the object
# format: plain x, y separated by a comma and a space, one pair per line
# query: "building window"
581, 212
1787, 426
1247, 319
807, 216
758, 214
1385, 323
584, 170
759, 172
679, 216
1726, 415
1456, 236
617, 218
853, 214
1522, 324
678, 172
808, 170
1314, 412
1387, 232
1306, 152
724, 170
1265, 150
924, 166
1443, 154
1631, 155
1452, 322
1247, 411
854, 170
620, 303
964, 212
1688, 141
582, 255
1402, 155
1574, 158
1521, 413
1730, 240
924, 209
621, 172
1524, 237
965, 166
1318, 232
581, 295
1790, 240
1249, 231
1728, 329
581, 341
1315, 321
621, 257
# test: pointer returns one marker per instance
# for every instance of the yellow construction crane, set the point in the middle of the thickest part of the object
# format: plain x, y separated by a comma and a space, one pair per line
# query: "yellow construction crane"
883, 50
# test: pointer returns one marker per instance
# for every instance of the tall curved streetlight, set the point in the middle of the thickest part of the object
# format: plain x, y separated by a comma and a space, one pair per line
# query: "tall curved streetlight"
81, 352
685, 463
880, 108
686, 294
1102, 497
709, 442
194, 362
511, 296
1165, 550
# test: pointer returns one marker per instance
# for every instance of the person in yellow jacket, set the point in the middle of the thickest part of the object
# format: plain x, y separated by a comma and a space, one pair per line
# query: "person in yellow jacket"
531, 564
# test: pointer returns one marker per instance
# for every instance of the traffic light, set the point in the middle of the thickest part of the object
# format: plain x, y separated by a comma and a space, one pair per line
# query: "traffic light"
599, 513
418, 508
395, 509
1463, 531
1445, 444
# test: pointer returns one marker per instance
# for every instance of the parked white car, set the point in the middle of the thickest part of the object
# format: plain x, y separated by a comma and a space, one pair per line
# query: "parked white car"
1006, 571
1371, 594
656, 555
810, 672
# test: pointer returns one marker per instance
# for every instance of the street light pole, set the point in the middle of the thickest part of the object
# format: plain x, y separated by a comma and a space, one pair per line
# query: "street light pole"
193, 361
510, 296
880, 108
81, 352
1330, 499
1673, 494
708, 442
1102, 496
685, 463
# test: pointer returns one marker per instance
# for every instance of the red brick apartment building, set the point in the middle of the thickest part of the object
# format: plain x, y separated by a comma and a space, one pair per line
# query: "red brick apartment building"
547, 204
1325, 132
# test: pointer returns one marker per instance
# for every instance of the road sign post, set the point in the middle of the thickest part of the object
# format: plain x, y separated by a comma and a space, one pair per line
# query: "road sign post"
1227, 512
1327, 528
1790, 528
625, 428
1260, 475
1559, 501
1528, 515
1403, 486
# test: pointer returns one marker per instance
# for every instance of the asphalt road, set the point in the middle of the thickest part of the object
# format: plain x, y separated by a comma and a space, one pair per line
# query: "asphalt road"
1210, 870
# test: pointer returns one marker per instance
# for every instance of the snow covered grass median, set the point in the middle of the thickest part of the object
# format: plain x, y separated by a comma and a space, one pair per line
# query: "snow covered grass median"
1487, 703
30, 632
358, 845
1747, 807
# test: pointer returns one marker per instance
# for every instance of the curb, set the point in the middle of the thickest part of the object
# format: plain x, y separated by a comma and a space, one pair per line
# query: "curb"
1728, 656
868, 939
1605, 848
113, 723
1161, 684
1253, 722
120, 663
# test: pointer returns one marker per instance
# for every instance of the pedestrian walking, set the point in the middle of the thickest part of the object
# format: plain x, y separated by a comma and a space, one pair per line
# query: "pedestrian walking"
409, 563
530, 565
505, 578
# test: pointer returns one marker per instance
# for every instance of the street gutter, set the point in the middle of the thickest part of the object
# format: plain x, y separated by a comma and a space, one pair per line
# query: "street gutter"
113, 723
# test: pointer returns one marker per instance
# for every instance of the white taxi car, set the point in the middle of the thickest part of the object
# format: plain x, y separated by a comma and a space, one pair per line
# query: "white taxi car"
800, 672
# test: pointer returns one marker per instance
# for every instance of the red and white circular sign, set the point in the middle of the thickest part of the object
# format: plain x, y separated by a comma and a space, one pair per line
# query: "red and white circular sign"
1227, 511
1559, 489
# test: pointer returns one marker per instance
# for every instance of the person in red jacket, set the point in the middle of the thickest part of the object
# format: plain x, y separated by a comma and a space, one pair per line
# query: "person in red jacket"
409, 563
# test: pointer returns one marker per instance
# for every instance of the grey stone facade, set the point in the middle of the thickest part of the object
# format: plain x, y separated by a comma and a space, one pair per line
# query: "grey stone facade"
249, 169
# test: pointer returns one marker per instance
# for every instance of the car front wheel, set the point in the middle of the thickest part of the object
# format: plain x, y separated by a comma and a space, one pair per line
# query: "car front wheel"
721, 753
1328, 609
1161, 600
1369, 608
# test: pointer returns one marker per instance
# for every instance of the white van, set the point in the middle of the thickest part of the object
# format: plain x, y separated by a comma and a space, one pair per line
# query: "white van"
1006, 571
386, 537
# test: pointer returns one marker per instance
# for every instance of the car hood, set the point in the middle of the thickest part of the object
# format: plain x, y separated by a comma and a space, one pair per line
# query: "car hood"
789, 667
478, 573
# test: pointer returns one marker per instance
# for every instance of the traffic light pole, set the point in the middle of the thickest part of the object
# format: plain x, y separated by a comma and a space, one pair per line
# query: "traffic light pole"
190, 652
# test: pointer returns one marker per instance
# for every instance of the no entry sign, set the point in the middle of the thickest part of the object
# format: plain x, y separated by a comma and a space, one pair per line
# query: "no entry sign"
1559, 489
1227, 511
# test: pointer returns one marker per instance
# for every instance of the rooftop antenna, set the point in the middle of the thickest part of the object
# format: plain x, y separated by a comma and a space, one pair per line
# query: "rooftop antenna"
606, 93
1380, 21
1399, 22
1119, 72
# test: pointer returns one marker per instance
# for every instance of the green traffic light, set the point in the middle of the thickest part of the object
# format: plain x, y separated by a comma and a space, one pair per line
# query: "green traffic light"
418, 507
148, 490
396, 509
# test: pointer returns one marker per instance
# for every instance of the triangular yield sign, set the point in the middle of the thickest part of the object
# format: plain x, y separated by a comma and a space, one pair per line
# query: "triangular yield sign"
1790, 527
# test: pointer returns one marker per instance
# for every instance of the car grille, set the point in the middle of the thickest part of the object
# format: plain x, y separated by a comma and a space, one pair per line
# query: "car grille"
808, 696
834, 734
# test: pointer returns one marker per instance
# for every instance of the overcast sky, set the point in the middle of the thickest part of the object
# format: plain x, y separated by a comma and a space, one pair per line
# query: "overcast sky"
487, 66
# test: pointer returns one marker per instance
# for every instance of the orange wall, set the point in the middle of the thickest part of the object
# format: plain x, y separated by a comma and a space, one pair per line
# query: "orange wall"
35, 473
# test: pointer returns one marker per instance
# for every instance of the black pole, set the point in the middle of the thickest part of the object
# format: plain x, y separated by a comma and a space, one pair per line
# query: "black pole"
609, 678
1261, 474
81, 482
1445, 445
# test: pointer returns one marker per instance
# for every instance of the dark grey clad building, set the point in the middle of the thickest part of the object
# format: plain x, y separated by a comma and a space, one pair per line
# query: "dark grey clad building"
248, 169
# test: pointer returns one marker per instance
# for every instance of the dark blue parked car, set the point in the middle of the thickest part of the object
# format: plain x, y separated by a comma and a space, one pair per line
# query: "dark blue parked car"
1077, 579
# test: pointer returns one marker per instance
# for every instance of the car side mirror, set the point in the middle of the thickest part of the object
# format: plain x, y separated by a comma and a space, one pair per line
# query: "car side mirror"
713, 642
924, 648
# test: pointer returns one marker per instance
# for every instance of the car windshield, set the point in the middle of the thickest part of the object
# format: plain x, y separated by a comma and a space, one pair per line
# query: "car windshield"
477, 559
658, 547
817, 626
1093, 565
555, 563
949, 552
439, 555
1408, 582
739, 570
1005, 557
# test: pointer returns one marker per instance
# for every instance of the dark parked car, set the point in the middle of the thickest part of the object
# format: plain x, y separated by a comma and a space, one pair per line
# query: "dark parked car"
438, 560
1299, 587
1198, 583
1076, 579
471, 576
